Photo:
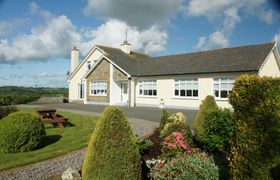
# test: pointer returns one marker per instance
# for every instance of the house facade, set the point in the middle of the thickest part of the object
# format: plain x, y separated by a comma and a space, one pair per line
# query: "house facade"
111, 76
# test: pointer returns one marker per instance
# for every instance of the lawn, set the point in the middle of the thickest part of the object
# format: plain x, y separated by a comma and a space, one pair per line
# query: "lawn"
58, 141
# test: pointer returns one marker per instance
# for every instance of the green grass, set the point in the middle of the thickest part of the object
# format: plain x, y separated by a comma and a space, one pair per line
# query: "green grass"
58, 141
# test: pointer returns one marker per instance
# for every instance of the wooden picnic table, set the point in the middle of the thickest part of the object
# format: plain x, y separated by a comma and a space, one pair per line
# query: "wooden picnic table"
50, 116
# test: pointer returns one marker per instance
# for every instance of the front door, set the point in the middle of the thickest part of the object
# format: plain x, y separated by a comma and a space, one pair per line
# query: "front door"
81, 91
124, 92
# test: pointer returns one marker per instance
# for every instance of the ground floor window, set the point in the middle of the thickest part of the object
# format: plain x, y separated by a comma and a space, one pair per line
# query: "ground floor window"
98, 88
186, 87
148, 88
223, 86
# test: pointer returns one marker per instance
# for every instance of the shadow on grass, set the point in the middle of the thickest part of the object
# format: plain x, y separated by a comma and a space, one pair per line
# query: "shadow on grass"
48, 140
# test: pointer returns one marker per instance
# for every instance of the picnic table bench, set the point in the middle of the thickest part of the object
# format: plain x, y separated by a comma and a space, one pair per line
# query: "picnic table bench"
50, 116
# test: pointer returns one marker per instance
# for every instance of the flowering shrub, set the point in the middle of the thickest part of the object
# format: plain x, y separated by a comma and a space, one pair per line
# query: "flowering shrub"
175, 144
177, 123
186, 166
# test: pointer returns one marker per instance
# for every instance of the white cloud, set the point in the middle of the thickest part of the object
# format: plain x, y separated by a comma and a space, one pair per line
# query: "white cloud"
140, 13
112, 33
267, 16
215, 40
227, 14
6, 27
57, 35
52, 39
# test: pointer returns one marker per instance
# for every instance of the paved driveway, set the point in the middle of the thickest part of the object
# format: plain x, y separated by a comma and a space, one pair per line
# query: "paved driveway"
145, 113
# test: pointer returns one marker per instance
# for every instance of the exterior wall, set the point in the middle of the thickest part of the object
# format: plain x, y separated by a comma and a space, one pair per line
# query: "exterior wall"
165, 91
270, 66
76, 79
118, 75
101, 72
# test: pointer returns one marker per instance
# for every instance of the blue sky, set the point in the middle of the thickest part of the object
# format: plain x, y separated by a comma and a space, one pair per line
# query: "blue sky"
36, 37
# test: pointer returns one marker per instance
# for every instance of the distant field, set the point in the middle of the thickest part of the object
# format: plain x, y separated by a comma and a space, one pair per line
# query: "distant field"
22, 95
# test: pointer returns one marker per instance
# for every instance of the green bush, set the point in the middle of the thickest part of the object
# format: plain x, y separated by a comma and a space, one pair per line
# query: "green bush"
144, 145
194, 166
177, 123
218, 129
21, 132
6, 110
208, 103
112, 152
256, 142
163, 118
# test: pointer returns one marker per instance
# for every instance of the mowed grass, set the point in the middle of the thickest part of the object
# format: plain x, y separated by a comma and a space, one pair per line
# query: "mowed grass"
74, 136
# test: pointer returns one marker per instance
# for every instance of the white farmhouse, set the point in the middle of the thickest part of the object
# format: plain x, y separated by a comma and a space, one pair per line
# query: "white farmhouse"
112, 76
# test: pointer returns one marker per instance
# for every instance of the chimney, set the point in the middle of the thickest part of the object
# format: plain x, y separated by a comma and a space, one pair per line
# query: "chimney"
125, 47
74, 58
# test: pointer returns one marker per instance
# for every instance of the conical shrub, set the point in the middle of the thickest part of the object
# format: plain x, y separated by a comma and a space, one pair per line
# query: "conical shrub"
112, 152
208, 103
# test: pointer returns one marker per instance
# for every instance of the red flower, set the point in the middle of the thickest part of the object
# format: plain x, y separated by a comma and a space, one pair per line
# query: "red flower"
174, 163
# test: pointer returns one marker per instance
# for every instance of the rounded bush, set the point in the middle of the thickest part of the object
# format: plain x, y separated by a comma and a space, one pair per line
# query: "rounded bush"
219, 127
186, 166
21, 132
112, 152
208, 103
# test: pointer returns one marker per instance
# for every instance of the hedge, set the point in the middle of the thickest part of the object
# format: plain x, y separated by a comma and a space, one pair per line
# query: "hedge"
256, 141
21, 132
208, 103
112, 152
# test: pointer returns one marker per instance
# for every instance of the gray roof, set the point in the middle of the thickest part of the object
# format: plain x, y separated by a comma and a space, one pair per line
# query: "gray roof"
237, 59
128, 62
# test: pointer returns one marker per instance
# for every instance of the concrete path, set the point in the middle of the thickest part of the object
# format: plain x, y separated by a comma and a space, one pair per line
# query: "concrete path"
144, 113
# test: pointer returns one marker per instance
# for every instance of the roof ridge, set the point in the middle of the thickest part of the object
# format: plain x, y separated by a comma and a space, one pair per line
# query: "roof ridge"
121, 50
211, 50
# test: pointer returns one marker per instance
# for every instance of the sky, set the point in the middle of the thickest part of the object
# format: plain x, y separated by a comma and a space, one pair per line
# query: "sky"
36, 37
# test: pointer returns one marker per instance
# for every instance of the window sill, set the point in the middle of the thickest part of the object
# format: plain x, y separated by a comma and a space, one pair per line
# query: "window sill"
221, 99
186, 98
95, 95
155, 97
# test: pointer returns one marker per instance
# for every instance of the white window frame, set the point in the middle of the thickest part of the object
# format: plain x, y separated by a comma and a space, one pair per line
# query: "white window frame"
186, 84
98, 88
147, 86
218, 82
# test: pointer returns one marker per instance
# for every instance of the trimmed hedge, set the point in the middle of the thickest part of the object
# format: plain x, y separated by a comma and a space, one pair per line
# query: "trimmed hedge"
218, 127
112, 152
208, 103
21, 132
256, 142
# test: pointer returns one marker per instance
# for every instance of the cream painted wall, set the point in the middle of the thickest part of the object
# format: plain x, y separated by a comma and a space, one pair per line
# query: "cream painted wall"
270, 66
76, 79
165, 90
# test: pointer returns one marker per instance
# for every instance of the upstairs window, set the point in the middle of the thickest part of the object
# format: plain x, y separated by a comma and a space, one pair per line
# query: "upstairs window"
98, 88
148, 88
88, 65
186, 87
223, 86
